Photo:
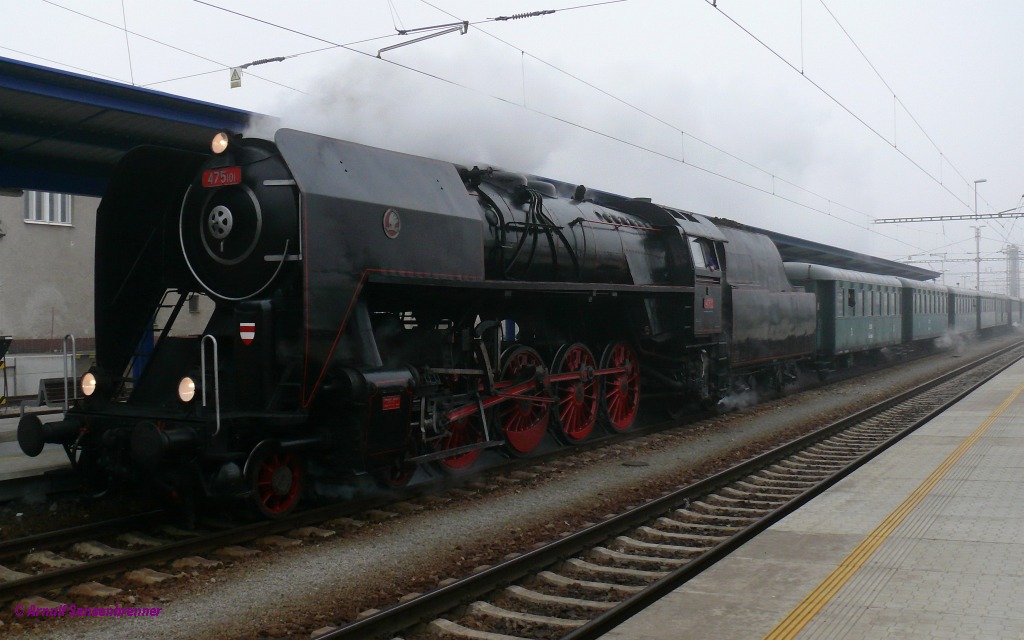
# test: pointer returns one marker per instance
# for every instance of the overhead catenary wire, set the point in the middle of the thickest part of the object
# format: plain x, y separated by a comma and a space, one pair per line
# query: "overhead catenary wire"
896, 98
836, 100
222, 65
63, 64
127, 44
683, 134
773, 176
611, 137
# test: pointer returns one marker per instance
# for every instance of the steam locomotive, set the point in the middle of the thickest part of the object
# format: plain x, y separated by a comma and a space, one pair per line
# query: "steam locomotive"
374, 311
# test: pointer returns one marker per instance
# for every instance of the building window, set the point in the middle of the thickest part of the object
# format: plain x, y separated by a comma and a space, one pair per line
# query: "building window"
47, 208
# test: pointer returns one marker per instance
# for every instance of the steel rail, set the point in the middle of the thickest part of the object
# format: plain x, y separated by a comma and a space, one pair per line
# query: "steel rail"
394, 620
630, 607
25, 544
174, 549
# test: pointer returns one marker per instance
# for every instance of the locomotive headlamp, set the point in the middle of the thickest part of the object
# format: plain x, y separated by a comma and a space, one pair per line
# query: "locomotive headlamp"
89, 384
186, 389
220, 143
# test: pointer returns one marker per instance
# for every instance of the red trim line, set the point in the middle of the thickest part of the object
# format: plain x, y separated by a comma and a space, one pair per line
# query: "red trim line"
307, 393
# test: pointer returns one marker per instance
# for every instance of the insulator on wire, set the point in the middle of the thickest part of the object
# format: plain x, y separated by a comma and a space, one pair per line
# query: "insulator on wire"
520, 16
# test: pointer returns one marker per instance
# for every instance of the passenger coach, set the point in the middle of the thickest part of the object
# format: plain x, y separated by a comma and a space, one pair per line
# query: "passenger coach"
925, 309
857, 312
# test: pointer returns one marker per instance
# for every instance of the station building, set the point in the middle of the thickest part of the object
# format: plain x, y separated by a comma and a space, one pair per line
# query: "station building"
46, 283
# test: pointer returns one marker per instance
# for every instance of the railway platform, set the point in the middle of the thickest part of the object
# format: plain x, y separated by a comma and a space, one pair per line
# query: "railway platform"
924, 541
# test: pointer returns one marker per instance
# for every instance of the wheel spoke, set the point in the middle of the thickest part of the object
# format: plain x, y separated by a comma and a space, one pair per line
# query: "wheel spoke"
523, 421
275, 500
461, 433
577, 411
620, 394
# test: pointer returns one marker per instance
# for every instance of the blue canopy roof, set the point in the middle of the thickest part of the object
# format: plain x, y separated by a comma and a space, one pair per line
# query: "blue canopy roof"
62, 131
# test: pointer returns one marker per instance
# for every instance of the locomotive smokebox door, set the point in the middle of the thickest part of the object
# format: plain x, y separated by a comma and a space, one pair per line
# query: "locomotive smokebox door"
253, 352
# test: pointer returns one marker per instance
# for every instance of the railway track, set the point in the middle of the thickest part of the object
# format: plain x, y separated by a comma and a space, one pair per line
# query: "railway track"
73, 556
76, 555
589, 582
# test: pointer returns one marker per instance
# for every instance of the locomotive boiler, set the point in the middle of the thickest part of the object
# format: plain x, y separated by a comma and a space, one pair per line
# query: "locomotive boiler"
374, 311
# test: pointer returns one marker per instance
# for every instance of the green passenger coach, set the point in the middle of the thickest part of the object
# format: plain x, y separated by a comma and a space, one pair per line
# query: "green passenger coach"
925, 310
857, 312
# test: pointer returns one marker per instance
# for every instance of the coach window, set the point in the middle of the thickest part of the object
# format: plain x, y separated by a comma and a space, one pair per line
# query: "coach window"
851, 301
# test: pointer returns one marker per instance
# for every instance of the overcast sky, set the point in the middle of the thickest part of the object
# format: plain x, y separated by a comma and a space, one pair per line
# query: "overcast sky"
673, 100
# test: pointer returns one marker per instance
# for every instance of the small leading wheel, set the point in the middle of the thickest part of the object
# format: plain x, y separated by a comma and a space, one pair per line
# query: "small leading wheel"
523, 421
577, 399
461, 433
276, 478
620, 392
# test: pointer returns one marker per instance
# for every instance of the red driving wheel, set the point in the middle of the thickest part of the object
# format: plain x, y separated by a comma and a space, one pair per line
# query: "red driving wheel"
277, 480
577, 399
460, 433
620, 392
523, 420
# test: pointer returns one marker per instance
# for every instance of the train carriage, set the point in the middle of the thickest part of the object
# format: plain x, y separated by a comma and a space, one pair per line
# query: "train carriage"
963, 310
857, 312
925, 309
993, 310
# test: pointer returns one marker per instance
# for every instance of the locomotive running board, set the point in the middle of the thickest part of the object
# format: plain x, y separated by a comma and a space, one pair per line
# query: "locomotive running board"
447, 453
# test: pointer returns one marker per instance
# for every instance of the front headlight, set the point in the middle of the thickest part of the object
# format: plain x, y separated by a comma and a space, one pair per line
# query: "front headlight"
219, 143
88, 384
186, 389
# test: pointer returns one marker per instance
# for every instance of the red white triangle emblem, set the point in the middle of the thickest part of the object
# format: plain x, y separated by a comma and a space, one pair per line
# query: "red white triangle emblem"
247, 332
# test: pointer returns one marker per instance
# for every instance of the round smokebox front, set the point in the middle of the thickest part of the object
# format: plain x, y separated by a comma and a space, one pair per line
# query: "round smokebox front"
231, 224
237, 238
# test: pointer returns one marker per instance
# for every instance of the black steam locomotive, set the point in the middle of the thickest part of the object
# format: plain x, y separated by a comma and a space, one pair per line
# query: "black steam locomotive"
376, 311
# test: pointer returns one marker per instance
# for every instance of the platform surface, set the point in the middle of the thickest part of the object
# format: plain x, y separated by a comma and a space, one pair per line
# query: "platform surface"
15, 464
925, 541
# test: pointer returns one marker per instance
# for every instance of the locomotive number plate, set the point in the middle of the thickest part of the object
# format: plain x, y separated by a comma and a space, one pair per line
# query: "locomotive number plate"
222, 177
391, 403
709, 303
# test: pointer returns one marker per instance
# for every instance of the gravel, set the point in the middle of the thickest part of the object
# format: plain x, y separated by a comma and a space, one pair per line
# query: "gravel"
326, 582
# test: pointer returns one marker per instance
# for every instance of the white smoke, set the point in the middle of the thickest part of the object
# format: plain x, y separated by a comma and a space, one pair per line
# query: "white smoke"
737, 401
951, 341
389, 107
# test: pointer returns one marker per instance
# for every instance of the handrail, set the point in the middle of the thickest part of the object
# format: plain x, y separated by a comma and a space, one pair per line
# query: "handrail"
74, 359
216, 376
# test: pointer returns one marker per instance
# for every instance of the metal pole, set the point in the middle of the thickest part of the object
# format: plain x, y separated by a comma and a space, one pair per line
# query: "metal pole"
977, 257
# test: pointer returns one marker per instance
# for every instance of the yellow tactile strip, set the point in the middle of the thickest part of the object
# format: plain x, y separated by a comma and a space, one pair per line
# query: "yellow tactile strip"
803, 613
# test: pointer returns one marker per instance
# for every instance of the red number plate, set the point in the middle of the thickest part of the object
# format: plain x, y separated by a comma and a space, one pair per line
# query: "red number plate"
709, 303
222, 177
390, 403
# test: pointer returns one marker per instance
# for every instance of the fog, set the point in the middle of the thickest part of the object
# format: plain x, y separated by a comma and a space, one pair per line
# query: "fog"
806, 138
